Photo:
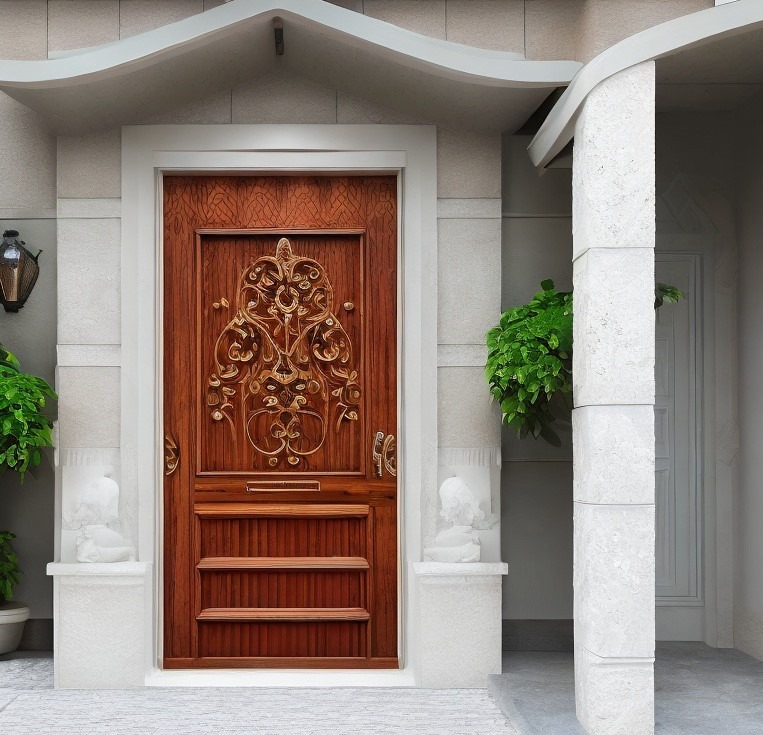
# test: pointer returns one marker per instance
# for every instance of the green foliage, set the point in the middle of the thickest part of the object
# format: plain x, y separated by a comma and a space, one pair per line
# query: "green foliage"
663, 292
8, 358
9, 567
24, 429
530, 360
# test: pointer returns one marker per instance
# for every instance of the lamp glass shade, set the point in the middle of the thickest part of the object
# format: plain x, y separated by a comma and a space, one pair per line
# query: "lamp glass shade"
18, 271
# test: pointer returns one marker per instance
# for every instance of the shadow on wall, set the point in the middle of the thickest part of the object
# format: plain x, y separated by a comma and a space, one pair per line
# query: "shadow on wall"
536, 478
28, 509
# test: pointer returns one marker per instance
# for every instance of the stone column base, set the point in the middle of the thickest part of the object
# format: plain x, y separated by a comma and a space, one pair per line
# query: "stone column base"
458, 621
101, 634
614, 696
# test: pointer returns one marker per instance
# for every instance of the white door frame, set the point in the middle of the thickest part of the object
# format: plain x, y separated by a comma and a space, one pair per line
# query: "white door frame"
150, 151
715, 527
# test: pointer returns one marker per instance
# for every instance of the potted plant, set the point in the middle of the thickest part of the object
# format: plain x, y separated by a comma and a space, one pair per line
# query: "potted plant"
24, 432
529, 364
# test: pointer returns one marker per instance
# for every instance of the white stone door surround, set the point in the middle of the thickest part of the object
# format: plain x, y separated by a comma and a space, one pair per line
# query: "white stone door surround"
108, 617
150, 151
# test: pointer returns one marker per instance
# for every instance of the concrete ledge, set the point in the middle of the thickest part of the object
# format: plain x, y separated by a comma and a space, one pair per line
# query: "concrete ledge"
117, 569
475, 569
320, 678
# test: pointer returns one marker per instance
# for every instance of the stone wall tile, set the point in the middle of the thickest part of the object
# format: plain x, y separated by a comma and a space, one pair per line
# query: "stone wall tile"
28, 153
614, 697
101, 640
75, 24
491, 24
354, 5
613, 452
25, 29
613, 361
139, 16
357, 110
614, 164
88, 407
466, 415
90, 166
208, 111
468, 164
423, 16
468, 208
282, 97
88, 281
580, 29
459, 621
469, 279
614, 583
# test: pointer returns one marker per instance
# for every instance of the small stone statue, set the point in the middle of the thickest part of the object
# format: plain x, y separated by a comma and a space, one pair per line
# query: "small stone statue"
98, 505
460, 542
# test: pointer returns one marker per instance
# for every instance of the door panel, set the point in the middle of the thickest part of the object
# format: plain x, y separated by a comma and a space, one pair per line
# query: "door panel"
678, 459
280, 399
263, 342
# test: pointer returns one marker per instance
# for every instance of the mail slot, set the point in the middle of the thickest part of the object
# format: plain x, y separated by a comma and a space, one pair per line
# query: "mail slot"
283, 486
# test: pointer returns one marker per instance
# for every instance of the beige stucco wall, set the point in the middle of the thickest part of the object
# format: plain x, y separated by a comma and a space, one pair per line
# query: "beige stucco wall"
539, 29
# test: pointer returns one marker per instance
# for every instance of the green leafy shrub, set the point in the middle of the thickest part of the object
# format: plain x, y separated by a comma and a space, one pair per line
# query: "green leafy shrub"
663, 292
24, 429
9, 567
530, 361
529, 364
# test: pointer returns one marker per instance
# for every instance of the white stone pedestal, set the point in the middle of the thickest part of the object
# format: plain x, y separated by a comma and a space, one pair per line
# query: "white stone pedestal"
458, 623
102, 627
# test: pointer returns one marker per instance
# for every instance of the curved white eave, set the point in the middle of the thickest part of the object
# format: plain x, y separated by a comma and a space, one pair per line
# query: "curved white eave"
442, 58
663, 40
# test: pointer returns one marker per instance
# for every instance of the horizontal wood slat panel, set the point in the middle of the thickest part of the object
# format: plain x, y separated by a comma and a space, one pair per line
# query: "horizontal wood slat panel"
279, 510
283, 562
282, 614
283, 536
283, 588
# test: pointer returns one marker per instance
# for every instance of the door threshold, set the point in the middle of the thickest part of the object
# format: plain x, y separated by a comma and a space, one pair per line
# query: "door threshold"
273, 678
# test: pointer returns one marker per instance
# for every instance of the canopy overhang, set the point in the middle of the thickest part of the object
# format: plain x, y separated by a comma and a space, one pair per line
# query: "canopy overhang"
135, 78
712, 59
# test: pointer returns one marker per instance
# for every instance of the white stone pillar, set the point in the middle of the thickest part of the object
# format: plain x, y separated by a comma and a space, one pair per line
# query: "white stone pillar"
613, 419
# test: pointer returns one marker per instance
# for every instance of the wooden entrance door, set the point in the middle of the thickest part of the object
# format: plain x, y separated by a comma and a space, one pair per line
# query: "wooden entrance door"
280, 414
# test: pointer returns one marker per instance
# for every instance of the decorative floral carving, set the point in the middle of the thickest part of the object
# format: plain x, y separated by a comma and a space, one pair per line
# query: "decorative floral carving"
284, 362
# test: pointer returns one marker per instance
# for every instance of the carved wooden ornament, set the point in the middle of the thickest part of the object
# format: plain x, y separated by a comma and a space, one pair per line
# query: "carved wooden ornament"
283, 363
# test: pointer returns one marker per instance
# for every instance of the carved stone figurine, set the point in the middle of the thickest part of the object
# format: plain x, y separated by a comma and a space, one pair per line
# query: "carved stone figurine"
460, 507
98, 505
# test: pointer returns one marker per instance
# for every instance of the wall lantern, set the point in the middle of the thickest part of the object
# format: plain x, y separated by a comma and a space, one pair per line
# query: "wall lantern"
18, 271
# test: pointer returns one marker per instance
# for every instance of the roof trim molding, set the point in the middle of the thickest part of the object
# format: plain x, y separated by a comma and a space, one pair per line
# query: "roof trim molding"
442, 58
665, 39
